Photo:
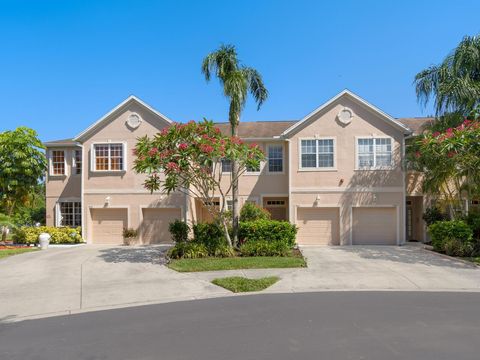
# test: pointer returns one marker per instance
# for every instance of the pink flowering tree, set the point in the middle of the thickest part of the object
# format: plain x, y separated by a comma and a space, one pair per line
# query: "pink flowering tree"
450, 162
187, 158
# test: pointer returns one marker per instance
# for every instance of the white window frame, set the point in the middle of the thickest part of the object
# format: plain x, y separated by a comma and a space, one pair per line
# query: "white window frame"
317, 168
50, 163
58, 215
374, 167
267, 162
93, 156
74, 161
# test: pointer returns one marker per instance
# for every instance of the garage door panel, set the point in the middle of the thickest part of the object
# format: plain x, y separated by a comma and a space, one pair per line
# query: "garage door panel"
108, 225
318, 226
374, 226
155, 224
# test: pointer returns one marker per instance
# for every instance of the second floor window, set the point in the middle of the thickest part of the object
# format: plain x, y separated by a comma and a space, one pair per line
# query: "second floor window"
317, 153
108, 157
226, 165
77, 161
374, 153
275, 158
58, 162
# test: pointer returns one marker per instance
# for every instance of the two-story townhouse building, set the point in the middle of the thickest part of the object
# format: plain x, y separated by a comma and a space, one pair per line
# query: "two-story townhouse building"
338, 174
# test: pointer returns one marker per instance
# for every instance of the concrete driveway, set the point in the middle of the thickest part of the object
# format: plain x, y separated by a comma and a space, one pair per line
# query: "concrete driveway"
86, 278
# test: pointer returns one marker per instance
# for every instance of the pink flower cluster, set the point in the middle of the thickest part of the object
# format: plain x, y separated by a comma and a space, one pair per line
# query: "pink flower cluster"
236, 140
183, 146
171, 166
153, 151
206, 148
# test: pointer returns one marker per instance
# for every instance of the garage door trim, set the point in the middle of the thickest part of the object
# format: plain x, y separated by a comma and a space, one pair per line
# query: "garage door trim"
397, 218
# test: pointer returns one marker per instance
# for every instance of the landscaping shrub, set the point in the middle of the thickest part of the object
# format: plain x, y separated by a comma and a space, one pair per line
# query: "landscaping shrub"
253, 212
264, 248
179, 231
451, 236
455, 247
222, 251
432, 215
210, 235
59, 235
188, 250
268, 230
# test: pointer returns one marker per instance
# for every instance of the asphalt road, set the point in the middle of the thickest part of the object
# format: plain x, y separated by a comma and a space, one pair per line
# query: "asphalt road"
335, 325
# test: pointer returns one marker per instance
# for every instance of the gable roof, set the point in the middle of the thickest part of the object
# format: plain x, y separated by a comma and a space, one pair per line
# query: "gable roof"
390, 120
104, 118
257, 129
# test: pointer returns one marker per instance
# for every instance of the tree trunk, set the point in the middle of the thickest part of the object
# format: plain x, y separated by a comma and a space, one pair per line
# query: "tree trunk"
235, 207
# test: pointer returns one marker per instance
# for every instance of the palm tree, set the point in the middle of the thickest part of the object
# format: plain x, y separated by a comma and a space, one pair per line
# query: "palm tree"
237, 81
455, 83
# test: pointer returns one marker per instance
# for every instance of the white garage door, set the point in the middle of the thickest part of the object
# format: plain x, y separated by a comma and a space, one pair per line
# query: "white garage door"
374, 226
154, 227
318, 226
108, 225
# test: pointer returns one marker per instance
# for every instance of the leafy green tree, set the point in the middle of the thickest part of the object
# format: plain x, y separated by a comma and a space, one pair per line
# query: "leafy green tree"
23, 165
454, 84
237, 81
187, 158
449, 162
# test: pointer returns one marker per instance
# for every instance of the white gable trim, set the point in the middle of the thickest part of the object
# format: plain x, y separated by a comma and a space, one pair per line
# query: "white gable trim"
383, 115
105, 117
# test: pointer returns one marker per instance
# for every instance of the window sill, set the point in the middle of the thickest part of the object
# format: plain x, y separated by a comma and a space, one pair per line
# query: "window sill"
107, 172
316, 169
375, 169
57, 176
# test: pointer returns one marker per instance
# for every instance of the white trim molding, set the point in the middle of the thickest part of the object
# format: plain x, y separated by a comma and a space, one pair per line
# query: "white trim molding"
387, 118
131, 99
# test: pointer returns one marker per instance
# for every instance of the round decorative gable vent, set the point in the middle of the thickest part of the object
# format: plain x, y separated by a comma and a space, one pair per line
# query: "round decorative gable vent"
345, 116
134, 121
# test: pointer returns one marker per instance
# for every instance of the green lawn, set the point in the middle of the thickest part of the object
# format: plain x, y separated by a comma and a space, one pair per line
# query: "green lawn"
9, 252
238, 284
260, 262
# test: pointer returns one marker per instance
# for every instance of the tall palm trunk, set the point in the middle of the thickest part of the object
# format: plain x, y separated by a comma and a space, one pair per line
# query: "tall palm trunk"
235, 206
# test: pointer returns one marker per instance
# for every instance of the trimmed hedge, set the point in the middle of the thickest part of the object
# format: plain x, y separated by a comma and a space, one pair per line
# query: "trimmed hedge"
179, 230
452, 237
268, 230
59, 235
253, 212
265, 248
209, 234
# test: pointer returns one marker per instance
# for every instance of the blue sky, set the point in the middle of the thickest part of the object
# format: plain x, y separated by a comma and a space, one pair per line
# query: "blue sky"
64, 64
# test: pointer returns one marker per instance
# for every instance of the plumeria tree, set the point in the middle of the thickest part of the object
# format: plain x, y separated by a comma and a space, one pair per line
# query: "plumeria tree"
449, 161
187, 158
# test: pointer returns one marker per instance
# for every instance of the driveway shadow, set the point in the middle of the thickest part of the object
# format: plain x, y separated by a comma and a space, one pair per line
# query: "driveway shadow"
406, 255
139, 254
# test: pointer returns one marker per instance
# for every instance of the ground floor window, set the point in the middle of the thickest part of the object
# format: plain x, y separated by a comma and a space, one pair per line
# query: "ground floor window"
69, 213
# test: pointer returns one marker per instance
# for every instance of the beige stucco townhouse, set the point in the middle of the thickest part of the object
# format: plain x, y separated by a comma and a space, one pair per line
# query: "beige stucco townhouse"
338, 174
